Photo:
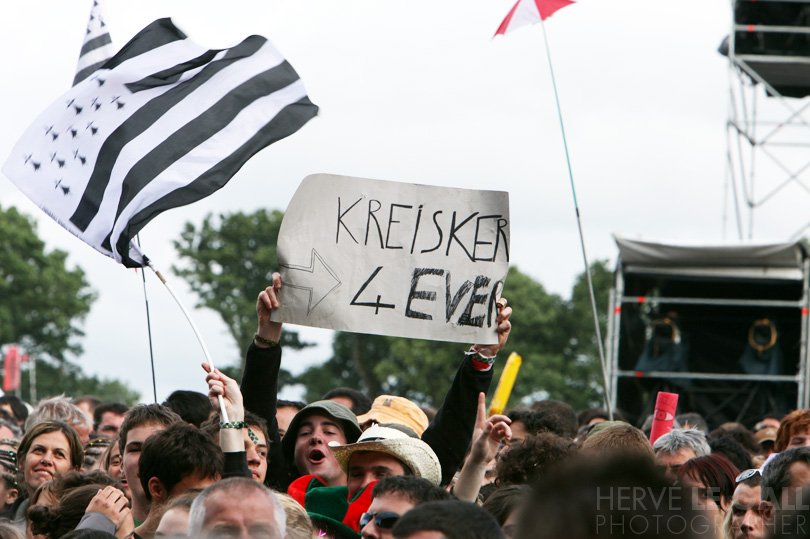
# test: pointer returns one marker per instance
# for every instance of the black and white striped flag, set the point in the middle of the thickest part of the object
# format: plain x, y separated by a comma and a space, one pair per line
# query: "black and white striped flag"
163, 124
97, 46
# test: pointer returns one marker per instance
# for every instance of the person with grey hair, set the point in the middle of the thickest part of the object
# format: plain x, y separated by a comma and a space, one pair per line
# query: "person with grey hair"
61, 409
676, 447
237, 508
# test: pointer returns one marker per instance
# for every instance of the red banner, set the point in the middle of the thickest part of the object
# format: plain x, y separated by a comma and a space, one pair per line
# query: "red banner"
11, 368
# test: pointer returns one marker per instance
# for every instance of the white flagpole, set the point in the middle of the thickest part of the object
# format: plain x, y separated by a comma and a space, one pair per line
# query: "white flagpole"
608, 405
223, 412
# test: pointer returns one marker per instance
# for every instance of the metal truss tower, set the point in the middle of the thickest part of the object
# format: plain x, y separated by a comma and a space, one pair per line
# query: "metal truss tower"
768, 129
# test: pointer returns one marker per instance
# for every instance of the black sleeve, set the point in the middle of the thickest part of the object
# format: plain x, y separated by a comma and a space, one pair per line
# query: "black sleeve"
236, 465
451, 431
260, 394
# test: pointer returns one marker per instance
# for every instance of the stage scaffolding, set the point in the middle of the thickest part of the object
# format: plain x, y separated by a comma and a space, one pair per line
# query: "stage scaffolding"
768, 128
716, 292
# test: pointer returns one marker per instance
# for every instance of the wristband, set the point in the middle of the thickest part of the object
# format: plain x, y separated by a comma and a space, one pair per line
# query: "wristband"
489, 360
479, 361
266, 342
241, 425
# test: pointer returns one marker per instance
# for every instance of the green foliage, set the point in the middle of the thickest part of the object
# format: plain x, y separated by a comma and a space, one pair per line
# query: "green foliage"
68, 379
227, 261
349, 350
41, 303
554, 336
40, 299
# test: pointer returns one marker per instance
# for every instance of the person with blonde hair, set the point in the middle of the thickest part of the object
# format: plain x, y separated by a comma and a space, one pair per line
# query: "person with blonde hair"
299, 526
618, 438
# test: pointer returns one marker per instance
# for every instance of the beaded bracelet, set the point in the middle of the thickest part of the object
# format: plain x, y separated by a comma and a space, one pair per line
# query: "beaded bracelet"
241, 425
488, 360
264, 341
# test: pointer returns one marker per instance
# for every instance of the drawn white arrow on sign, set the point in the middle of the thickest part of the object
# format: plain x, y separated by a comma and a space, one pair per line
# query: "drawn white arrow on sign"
318, 282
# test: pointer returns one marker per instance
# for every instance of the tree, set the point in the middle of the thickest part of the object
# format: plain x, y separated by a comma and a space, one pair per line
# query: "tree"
41, 304
41, 300
227, 262
554, 336
68, 379
556, 339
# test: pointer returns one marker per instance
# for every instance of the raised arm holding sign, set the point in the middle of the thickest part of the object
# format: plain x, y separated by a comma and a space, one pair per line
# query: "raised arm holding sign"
387, 258
448, 435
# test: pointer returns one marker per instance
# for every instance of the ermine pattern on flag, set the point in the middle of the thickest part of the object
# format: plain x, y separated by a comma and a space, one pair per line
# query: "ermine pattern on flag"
97, 46
163, 124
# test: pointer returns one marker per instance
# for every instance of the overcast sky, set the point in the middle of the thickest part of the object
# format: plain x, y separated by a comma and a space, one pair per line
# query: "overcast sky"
419, 91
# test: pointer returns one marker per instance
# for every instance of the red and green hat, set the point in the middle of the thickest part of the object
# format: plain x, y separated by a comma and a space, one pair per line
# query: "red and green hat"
332, 503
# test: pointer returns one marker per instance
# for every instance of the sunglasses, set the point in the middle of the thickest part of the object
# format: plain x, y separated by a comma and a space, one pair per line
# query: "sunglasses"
747, 474
382, 519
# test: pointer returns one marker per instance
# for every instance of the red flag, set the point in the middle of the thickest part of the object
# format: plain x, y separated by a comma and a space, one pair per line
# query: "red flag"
11, 368
527, 12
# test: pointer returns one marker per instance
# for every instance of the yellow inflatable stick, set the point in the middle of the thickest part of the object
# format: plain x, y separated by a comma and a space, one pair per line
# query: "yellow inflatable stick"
505, 384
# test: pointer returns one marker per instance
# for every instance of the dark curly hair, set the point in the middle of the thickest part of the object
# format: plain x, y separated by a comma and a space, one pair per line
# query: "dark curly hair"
54, 521
737, 432
736, 454
528, 461
537, 422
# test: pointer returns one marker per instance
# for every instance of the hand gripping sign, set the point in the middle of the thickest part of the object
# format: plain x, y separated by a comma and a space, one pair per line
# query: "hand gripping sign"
389, 258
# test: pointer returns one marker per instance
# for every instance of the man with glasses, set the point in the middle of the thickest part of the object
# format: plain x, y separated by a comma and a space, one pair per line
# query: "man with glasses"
746, 521
392, 497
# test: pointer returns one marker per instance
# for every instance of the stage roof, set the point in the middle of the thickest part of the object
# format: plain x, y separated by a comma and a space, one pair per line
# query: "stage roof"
731, 260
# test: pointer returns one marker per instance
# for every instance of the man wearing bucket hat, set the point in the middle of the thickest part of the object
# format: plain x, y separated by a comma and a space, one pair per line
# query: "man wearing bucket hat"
384, 451
311, 433
448, 436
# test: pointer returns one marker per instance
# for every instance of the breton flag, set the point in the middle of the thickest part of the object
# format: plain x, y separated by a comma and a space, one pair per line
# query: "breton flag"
162, 124
97, 47
527, 12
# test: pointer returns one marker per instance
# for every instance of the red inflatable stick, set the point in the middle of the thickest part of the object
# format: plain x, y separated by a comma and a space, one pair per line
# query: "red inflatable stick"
664, 415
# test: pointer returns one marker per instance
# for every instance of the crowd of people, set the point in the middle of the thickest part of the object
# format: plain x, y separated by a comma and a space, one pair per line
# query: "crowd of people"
238, 463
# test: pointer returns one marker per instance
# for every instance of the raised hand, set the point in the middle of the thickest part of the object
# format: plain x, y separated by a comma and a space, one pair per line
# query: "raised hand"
113, 504
504, 327
220, 385
266, 303
488, 434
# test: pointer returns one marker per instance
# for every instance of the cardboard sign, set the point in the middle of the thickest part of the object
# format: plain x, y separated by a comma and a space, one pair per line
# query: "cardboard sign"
389, 258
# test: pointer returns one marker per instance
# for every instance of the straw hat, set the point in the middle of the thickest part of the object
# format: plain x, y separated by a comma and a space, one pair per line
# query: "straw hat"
415, 454
397, 410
